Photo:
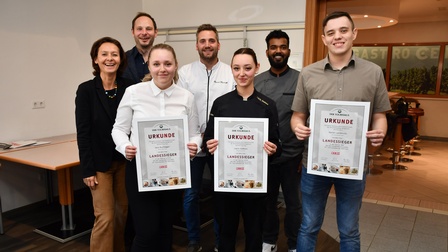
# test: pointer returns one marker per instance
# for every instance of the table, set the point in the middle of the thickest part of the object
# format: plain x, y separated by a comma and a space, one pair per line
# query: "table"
49, 141
60, 155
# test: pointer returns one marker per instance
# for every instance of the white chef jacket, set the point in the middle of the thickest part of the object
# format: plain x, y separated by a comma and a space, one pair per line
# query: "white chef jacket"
206, 85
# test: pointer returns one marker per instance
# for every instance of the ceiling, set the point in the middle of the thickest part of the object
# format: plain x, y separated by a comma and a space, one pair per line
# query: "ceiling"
382, 11
422, 11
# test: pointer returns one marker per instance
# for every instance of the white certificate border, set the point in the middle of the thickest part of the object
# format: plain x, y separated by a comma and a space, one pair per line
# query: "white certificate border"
139, 161
217, 134
365, 106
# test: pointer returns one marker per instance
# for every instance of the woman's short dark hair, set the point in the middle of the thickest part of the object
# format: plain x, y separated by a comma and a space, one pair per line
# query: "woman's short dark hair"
246, 50
94, 54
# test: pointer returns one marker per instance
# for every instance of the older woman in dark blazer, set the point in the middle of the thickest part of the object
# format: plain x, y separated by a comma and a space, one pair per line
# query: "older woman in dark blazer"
103, 167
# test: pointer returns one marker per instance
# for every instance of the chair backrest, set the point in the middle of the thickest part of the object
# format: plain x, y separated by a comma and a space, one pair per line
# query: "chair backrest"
412, 102
402, 107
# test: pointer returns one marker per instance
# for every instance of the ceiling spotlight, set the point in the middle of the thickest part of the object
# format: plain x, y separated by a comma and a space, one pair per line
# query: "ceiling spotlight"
375, 14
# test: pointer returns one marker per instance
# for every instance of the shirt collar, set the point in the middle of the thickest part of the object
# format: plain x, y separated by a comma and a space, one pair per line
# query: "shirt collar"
327, 64
254, 94
281, 74
213, 67
169, 91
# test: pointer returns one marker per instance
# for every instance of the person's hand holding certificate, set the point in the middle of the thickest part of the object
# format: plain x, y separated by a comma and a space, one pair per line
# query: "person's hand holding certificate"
337, 144
241, 156
163, 156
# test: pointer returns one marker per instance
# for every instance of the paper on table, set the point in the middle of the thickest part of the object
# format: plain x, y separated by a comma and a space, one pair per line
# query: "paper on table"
41, 142
23, 143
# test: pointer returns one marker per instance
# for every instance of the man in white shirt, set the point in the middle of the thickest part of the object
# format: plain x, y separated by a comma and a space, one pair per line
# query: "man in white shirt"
208, 78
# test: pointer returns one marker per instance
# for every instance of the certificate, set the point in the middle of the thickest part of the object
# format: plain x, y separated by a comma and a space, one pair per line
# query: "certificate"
162, 158
337, 144
241, 164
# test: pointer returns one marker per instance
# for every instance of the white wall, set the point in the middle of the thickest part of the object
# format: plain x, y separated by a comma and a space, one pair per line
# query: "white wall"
45, 56
258, 17
192, 13
185, 46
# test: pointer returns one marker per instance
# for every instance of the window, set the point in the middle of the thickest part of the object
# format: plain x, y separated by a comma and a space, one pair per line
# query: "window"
444, 81
414, 69
375, 54
410, 69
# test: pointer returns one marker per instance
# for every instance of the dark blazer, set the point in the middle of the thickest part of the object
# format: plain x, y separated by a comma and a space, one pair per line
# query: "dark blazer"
94, 122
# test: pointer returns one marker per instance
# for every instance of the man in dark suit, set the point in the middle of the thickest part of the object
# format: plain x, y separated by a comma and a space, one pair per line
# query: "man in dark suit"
144, 30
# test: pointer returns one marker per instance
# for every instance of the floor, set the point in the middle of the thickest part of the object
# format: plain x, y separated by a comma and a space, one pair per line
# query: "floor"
403, 210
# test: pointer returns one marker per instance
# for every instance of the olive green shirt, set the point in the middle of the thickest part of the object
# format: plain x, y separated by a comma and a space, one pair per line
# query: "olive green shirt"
360, 80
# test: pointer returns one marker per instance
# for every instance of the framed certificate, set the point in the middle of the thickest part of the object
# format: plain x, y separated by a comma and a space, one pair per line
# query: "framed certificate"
337, 144
241, 164
163, 160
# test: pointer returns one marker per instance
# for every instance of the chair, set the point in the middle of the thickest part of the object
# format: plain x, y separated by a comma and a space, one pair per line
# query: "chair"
415, 111
371, 170
398, 139
401, 110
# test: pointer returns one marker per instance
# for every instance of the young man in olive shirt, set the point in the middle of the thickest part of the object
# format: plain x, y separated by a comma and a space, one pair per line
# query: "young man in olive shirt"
344, 77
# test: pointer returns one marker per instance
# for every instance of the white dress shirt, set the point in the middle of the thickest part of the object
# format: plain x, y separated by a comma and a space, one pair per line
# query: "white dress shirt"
145, 100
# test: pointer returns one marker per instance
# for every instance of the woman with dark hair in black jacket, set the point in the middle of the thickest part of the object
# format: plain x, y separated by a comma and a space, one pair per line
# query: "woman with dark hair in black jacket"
103, 167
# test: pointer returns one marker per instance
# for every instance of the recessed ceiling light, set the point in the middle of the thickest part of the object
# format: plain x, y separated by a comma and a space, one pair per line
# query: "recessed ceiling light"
372, 21
369, 15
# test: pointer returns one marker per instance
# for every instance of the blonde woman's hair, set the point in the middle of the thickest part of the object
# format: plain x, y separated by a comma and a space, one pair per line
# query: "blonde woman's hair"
167, 47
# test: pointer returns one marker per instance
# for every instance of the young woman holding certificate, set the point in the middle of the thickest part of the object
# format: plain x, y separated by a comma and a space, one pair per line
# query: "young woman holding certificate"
157, 96
244, 102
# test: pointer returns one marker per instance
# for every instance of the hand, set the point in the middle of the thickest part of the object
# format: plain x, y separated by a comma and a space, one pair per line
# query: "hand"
91, 182
212, 144
376, 137
270, 148
302, 132
130, 152
193, 148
